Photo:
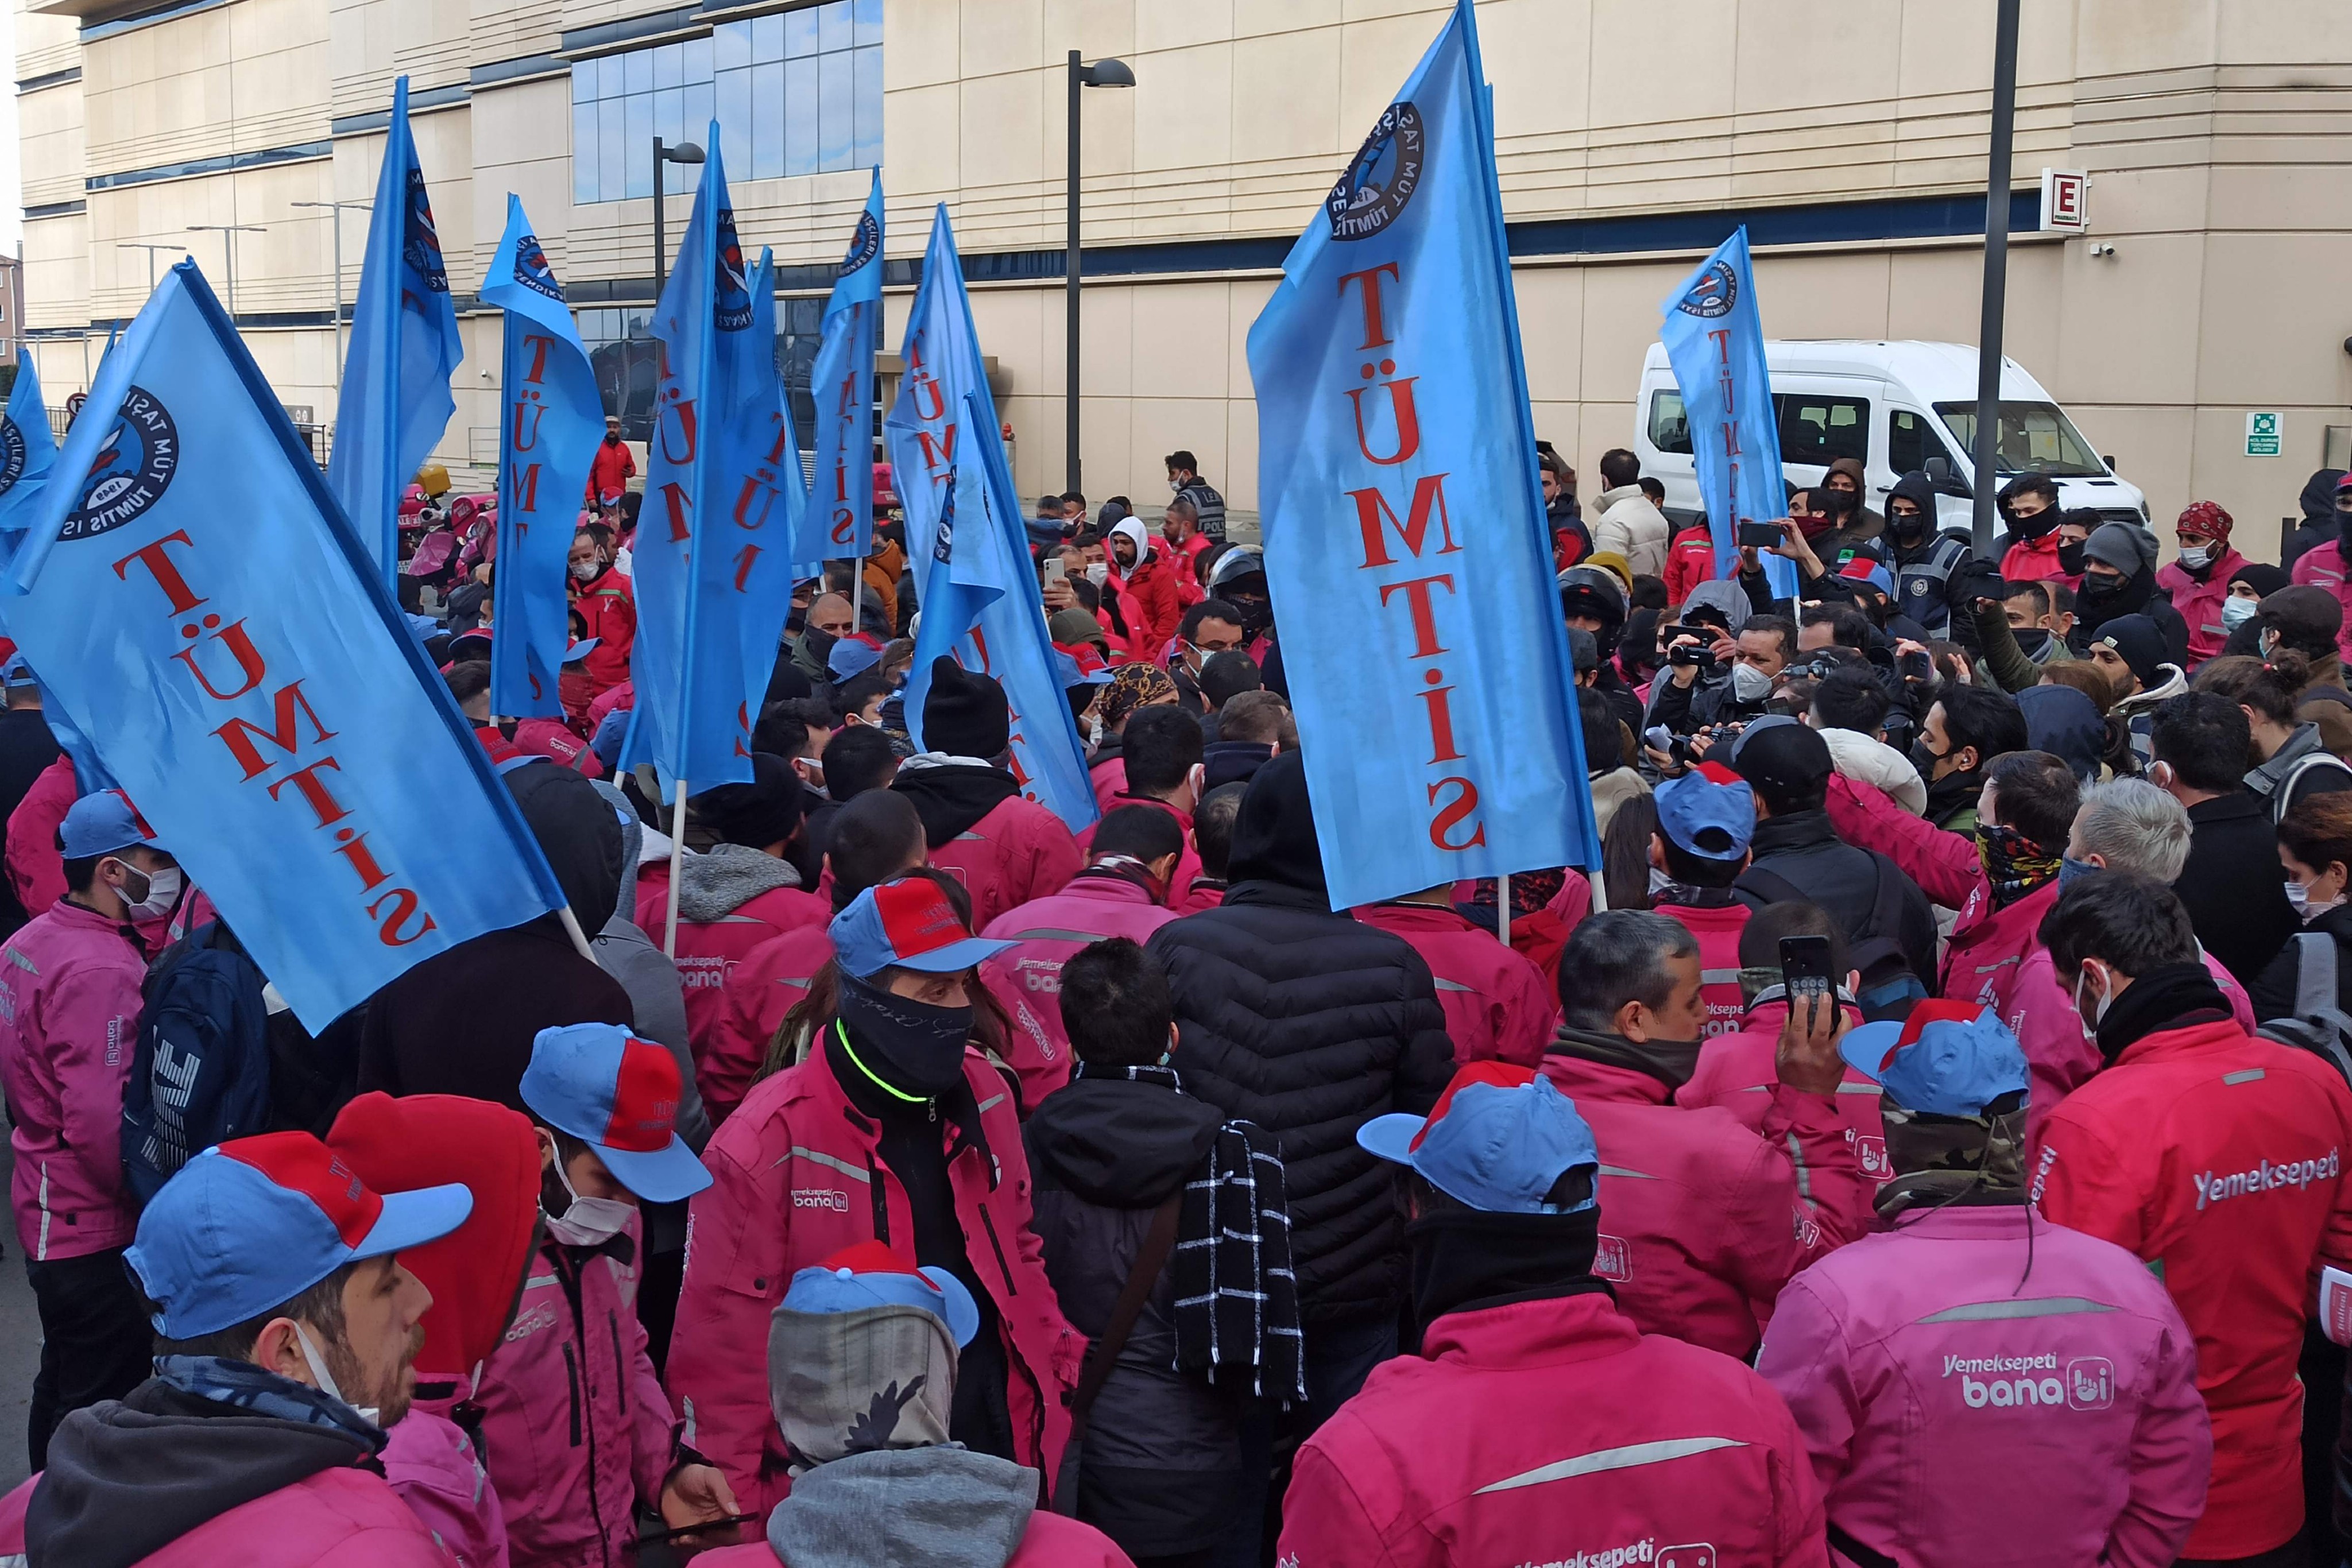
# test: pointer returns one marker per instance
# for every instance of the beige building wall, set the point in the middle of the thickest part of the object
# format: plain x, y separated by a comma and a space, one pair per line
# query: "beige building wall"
2216, 133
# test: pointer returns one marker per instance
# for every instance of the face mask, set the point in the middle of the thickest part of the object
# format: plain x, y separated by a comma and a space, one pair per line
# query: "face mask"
2032, 641
327, 1379
2197, 559
1175, 485
2034, 526
1750, 685
2098, 1015
2236, 612
1925, 760
2070, 869
2101, 585
1099, 573
818, 642
2306, 907
1908, 526
162, 893
586, 1221
912, 1047
586, 570
2070, 559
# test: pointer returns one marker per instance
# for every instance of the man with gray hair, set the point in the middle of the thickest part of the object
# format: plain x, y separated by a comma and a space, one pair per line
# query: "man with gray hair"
1706, 1220
2131, 826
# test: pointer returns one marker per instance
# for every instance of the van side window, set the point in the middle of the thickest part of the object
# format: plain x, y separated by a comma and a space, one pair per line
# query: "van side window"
1669, 422
1911, 441
1819, 429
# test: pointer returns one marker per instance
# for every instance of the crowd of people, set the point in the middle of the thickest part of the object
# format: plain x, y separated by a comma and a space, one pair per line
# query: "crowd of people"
1919, 1142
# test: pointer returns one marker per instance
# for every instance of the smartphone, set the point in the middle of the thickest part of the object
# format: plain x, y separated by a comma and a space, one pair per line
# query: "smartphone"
1057, 570
1805, 966
1759, 536
1920, 667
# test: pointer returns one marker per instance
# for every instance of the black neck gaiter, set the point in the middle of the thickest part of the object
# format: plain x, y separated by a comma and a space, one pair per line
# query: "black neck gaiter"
1464, 1260
2170, 995
903, 1044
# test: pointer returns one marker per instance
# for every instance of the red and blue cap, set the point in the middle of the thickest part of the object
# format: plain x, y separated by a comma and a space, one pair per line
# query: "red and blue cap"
1869, 570
619, 1095
1709, 812
251, 1224
1948, 1059
873, 1274
102, 823
1498, 1140
908, 923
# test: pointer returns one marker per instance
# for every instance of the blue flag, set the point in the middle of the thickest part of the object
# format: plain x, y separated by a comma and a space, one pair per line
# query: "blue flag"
28, 450
551, 419
1405, 543
944, 440
980, 609
248, 678
395, 397
1715, 341
840, 520
723, 495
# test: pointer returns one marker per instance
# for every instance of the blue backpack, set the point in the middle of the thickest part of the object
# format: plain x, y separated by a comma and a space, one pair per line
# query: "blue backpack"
200, 1073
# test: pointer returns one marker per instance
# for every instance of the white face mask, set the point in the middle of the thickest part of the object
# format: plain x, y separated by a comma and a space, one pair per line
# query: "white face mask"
589, 1221
586, 570
2098, 1015
2307, 907
163, 892
326, 1380
1098, 572
1750, 685
1175, 485
2197, 559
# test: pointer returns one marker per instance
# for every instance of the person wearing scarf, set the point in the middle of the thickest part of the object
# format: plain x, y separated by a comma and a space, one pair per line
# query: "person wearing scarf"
2119, 580
1526, 1356
2214, 1157
1701, 1204
1858, 1340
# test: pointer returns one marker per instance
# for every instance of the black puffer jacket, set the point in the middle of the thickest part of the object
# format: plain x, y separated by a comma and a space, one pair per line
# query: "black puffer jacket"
1309, 1024
1163, 1447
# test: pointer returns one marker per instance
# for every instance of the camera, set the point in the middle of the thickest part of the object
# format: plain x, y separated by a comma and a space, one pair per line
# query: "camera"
1690, 653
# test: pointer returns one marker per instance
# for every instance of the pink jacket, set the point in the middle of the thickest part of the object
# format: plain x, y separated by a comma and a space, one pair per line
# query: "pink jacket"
1188, 860
1948, 1363
344, 1517
2321, 568
1109, 780
1718, 930
797, 1178
753, 999
36, 868
559, 743
575, 1426
2058, 1055
708, 951
1027, 978
68, 1026
1052, 1541
438, 1473
1017, 853
1740, 1074
1554, 1431
2199, 603
1703, 1221
1496, 1004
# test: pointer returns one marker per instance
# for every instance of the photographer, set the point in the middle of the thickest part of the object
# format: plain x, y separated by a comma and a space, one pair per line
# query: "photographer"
1727, 682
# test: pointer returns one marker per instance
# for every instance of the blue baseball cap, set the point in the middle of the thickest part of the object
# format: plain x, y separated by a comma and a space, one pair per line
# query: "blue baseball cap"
248, 1225
907, 923
1498, 1139
1948, 1059
1709, 812
619, 1095
853, 655
101, 824
873, 1274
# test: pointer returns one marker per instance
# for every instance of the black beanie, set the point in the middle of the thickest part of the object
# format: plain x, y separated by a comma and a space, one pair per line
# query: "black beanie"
2140, 640
1274, 833
964, 713
762, 813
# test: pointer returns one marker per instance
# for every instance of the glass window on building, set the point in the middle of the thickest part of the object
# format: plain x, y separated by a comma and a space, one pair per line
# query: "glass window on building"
798, 92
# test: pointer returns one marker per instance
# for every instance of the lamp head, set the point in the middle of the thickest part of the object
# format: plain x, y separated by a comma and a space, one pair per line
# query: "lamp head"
1106, 73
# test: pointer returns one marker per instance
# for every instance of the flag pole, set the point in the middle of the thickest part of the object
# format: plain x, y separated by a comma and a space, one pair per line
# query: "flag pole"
1503, 907
677, 868
579, 937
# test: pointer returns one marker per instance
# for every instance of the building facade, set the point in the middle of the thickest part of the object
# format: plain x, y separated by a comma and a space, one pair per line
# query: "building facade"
2212, 284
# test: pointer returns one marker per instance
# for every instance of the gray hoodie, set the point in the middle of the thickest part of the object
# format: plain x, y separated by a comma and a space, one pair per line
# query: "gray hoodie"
938, 1507
655, 994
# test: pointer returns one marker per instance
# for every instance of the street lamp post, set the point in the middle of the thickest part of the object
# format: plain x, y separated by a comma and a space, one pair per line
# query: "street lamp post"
151, 250
1986, 452
1102, 73
683, 153
337, 209
228, 232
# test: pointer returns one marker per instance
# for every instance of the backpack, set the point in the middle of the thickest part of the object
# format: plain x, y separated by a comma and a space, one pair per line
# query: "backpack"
1888, 987
2283, 797
201, 1072
2319, 1024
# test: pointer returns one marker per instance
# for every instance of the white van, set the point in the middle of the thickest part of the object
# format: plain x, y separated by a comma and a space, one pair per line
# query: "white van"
1893, 406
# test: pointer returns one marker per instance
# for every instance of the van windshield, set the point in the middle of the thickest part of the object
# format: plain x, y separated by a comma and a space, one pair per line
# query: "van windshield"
2034, 438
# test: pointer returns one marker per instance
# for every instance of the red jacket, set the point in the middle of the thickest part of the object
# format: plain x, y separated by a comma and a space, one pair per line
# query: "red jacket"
2199, 603
796, 1178
1718, 930
1496, 1003
1020, 850
2218, 1160
608, 603
1188, 860
346, 1517
1703, 1221
754, 995
610, 470
1690, 560
1553, 1431
37, 871
1740, 1072
1153, 592
2036, 560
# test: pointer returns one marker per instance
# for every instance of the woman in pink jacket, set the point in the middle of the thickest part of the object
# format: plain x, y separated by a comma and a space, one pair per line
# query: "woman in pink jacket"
1973, 1367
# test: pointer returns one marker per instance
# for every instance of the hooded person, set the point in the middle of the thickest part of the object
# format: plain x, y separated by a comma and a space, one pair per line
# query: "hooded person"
463, 1022
1150, 582
1635, 1436
2033, 547
892, 1129
737, 892
285, 1330
2132, 650
1005, 848
1305, 1021
1855, 528
1926, 560
2322, 506
1748, 659
2064, 723
433, 1456
2299, 617
2198, 581
625, 951
1707, 1220
1917, 1403
2119, 580
862, 1363
2328, 565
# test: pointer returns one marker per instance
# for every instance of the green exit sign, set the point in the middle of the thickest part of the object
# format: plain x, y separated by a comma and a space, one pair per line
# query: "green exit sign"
2263, 434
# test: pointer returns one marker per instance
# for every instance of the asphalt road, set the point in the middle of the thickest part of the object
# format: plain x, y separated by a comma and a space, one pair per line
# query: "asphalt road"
20, 1347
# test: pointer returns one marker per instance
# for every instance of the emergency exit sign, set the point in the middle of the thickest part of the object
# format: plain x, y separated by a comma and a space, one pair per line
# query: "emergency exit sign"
2263, 434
